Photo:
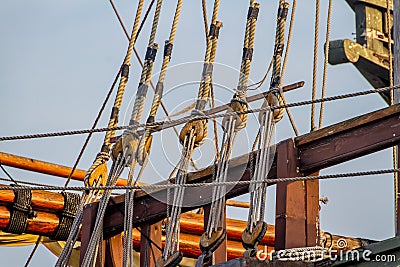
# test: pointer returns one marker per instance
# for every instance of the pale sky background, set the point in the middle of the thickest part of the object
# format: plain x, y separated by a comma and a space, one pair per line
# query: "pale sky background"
58, 59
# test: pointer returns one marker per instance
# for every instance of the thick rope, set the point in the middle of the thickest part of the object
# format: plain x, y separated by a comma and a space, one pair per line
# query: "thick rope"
103, 156
315, 63
287, 49
142, 152
193, 134
231, 126
325, 72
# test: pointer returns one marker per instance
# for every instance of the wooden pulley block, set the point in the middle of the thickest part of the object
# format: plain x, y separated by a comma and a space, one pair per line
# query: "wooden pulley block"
172, 261
250, 240
126, 145
210, 244
99, 176
241, 119
200, 131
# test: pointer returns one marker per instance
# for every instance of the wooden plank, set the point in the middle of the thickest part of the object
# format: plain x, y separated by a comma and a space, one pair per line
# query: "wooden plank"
44, 167
312, 212
349, 140
290, 220
114, 251
149, 253
88, 222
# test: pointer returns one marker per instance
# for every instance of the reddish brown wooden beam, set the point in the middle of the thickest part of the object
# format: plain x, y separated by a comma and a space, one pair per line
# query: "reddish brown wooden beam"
348, 140
371, 132
44, 167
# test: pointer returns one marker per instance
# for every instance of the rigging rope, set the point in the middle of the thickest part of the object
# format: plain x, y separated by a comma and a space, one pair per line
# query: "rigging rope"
215, 233
256, 227
211, 184
192, 135
99, 166
315, 63
325, 71
287, 49
124, 150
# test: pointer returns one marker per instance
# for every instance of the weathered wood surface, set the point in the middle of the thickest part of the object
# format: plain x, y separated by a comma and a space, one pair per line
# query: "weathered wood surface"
323, 148
44, 167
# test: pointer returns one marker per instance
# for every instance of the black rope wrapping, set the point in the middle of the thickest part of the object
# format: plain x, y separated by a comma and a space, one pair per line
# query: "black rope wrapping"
21, 211
214, 31
151, 53
253, 13
67, 215
125, 71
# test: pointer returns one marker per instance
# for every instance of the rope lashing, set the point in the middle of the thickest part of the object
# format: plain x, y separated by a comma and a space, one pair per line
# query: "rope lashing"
67, 215
145, 142
21, 211
103, 156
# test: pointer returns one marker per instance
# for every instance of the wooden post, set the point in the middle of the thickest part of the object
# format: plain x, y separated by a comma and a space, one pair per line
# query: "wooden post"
296, 203
290, 231
220, 254
396, 76
149, 252
88, 222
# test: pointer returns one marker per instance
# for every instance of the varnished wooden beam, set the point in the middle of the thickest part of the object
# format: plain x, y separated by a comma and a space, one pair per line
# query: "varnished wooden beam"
44, 167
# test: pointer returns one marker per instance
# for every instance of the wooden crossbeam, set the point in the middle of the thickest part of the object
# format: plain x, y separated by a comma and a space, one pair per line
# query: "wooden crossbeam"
323, 148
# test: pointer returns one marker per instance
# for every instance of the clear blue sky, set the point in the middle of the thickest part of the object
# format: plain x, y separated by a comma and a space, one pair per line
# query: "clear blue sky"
58, 60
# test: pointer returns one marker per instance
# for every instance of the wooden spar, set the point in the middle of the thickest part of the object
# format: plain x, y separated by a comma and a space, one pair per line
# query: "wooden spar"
323, 148
221, 108
44, 167
43, 224
41, 200
396, 76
